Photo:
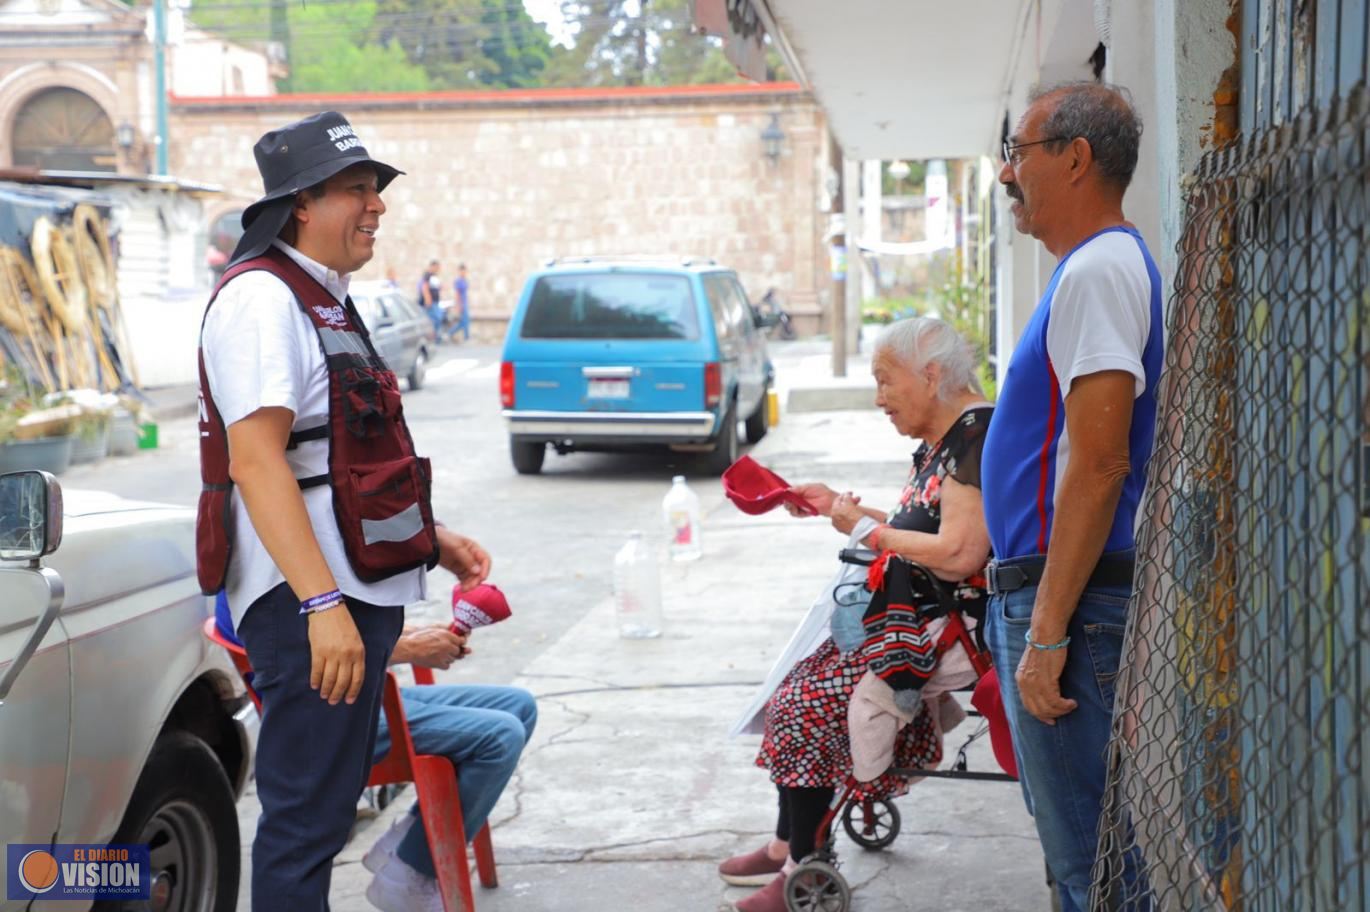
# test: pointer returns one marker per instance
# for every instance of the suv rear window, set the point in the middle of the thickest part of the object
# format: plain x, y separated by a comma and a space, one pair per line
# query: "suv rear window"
613, 305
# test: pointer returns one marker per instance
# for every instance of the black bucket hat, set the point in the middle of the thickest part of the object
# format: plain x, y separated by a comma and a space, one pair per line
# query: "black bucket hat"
293, 158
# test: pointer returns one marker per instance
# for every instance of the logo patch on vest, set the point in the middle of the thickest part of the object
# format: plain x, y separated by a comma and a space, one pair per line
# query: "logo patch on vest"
333, 316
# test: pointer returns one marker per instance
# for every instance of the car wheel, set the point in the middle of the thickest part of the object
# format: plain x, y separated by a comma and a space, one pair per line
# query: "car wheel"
725, 450
183, 809
527, 456
758, 422
420, 368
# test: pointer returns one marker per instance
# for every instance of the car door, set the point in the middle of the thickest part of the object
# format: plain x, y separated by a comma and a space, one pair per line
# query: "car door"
751, 358
406, 332
35, 709
382, 331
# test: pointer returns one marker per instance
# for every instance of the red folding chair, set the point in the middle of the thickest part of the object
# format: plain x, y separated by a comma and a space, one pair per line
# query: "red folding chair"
435, 781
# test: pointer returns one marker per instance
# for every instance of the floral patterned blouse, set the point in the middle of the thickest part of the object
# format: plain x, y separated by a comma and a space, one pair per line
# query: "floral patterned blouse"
957, 454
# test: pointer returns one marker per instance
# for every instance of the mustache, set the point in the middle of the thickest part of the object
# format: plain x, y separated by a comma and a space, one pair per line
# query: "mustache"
1014, 192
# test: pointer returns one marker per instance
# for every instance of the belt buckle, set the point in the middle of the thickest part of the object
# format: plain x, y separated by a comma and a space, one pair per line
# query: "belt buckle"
1014, 578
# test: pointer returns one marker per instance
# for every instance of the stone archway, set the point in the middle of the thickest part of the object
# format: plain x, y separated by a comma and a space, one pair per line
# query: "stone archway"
63, 129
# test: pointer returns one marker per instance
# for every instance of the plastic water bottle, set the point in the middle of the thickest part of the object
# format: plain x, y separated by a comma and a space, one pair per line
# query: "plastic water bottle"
637, 590
680, 508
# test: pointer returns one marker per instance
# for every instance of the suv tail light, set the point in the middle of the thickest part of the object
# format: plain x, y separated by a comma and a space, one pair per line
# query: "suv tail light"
506, 384
713, 384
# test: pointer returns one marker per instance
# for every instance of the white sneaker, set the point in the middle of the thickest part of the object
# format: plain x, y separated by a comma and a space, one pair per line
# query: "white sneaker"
399, 888
379, 854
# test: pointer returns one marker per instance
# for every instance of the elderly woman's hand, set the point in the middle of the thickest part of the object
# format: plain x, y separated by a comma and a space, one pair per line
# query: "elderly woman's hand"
846, 512
818, 496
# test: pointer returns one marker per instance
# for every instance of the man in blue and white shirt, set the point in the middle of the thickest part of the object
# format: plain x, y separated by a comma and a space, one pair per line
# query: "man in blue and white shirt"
1065, 459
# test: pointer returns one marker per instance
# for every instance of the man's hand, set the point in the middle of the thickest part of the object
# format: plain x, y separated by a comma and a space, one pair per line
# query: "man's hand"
1039, 684
463, 557
819, 496
337, 657
430, 647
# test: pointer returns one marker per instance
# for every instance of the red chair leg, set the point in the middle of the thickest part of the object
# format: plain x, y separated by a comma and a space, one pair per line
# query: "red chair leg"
485, 858
436, 784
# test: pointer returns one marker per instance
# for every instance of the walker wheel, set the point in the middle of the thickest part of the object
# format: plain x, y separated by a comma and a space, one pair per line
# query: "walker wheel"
816, 886
871, 824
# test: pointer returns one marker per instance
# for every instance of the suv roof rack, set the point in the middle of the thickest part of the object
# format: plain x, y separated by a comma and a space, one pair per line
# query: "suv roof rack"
634, 258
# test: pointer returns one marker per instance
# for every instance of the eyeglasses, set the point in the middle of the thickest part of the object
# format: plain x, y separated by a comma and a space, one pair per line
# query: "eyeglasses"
1010, 152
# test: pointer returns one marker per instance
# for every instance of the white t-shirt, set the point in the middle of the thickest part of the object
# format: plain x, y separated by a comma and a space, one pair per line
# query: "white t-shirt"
261, 351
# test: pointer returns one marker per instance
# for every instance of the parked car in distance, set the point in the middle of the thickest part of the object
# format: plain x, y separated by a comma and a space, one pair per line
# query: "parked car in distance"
401, 332
119, 722
615, 354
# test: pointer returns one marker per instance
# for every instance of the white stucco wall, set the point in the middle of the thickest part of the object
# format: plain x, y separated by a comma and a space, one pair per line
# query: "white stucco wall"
205, 66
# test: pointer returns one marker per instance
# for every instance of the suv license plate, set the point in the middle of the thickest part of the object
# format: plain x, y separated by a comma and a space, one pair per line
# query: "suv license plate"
608, 389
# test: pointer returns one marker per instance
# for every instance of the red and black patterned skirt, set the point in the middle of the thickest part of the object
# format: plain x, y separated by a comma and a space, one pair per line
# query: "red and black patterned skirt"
806, 743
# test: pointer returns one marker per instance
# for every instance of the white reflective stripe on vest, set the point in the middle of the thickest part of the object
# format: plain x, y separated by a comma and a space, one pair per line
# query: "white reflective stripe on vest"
400, 527
340, 342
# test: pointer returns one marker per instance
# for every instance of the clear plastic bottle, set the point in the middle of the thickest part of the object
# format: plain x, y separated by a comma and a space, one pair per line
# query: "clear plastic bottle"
680, 509
637, 590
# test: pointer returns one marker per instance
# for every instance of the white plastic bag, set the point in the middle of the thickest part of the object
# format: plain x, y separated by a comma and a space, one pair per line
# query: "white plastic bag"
807, 637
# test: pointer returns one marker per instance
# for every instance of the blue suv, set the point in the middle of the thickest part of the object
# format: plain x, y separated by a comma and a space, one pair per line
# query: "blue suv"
616, 354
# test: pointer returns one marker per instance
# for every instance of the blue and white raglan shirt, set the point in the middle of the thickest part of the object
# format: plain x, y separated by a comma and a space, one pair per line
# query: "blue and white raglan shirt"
1101, 312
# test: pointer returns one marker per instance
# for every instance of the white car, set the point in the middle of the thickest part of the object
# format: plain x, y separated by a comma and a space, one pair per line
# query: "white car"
119, 722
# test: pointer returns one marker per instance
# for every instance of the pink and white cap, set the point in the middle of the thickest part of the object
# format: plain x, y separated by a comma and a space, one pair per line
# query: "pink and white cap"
482, 606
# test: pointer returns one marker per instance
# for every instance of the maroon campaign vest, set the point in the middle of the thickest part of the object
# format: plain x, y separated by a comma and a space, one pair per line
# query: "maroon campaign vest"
381, 489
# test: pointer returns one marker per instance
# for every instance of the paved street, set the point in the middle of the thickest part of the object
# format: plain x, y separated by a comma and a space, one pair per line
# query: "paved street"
630, 792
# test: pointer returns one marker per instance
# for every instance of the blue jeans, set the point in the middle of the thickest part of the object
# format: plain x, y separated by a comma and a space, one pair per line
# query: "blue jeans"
1063, 767
481, 729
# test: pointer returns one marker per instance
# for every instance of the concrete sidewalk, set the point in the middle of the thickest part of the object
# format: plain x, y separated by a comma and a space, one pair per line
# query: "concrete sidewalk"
630, 792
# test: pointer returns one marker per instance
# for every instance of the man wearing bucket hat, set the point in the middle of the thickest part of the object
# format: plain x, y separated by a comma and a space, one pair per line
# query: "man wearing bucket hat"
314, 515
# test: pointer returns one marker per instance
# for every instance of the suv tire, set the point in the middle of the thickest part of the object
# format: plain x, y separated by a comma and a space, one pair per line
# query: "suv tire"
183, 808
725, 450
527, 457
759, 421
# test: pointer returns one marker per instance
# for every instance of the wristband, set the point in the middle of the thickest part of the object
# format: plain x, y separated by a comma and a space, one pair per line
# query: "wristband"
1027, 637
321, 602
873, 537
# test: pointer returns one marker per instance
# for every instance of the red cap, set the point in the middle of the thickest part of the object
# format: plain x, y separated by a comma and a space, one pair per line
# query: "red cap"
755, 489
990, 703
481, 606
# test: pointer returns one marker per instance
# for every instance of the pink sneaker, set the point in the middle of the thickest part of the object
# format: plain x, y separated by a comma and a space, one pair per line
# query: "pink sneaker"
755, 869
770, 898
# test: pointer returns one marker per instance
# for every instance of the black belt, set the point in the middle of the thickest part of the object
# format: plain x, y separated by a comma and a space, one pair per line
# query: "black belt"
1109, 572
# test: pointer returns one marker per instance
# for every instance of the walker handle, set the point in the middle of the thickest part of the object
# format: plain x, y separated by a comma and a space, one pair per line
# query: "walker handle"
860, 556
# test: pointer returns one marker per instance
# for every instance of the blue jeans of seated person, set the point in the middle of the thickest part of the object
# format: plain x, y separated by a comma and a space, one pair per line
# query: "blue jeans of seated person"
480, 728
1062, 768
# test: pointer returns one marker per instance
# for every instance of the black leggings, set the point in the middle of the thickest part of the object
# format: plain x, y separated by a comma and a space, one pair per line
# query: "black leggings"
801, 811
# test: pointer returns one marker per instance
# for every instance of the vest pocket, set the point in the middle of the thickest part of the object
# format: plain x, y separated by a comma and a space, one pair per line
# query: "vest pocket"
370, 400
382, 517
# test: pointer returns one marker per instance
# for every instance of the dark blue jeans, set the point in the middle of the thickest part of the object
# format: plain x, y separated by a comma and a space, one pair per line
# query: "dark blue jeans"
1063, 767
313, 759
480, 728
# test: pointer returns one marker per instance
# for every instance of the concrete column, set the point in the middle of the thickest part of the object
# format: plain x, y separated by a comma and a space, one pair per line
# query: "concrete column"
851, 198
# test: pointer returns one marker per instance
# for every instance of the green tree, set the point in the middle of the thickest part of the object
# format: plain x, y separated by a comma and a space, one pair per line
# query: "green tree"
463, 44
640, 42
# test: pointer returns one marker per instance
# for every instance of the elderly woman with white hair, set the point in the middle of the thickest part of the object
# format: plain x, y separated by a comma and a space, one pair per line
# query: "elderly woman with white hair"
926, 384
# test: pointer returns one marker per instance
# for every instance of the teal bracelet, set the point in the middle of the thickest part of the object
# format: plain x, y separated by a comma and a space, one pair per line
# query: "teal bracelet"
1027, 637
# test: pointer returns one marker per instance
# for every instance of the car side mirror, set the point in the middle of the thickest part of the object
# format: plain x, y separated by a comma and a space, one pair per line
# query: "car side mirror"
30, 515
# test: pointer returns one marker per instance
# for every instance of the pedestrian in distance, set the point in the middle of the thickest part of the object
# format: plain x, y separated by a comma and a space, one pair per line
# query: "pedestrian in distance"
461, 287
314, 514
430, 296
1065, 464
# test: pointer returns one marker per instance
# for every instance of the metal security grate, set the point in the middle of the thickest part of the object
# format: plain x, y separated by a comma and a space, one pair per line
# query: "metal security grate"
1238, 777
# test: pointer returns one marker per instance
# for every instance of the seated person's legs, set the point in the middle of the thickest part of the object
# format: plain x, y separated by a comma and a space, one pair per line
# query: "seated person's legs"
481, 729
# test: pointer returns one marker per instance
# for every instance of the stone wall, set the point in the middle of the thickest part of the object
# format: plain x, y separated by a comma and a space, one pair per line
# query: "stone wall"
506, 181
